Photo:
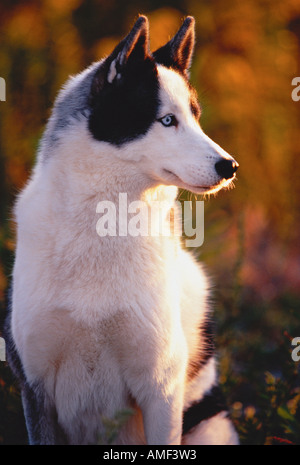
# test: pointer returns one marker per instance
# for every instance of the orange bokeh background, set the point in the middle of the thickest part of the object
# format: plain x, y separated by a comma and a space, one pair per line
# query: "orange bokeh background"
246, 55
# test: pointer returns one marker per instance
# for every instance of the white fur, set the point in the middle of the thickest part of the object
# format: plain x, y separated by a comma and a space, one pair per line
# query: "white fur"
216, 431
109, 322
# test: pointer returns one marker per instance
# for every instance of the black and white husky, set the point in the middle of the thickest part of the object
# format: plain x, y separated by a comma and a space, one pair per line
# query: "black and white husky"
99, 324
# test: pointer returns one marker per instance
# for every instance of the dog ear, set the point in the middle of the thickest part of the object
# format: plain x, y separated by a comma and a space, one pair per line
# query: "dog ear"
177, 53
132, 50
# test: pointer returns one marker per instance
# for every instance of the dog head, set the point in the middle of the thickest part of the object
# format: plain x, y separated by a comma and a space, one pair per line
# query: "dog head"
139, 108
146, 100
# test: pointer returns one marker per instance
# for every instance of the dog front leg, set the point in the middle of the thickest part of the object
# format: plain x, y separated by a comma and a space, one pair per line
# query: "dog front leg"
155, 377
162, 417
159, 392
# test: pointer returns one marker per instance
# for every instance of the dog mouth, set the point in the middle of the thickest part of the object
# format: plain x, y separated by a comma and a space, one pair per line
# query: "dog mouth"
203, 189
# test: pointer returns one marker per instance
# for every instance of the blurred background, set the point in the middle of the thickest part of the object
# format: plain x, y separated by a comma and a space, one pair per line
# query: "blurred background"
247, 54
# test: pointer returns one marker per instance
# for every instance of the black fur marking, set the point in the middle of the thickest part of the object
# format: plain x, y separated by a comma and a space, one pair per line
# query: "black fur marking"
13, 358
208, 349
126, 109
124, 104
211, 404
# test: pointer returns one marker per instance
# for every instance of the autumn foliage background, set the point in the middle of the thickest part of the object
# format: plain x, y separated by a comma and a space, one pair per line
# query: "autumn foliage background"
246, 56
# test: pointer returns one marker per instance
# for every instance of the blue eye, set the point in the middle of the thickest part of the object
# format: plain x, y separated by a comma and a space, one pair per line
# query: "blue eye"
168, 120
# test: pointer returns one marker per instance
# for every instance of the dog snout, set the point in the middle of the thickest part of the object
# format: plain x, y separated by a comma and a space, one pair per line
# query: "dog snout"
226, 168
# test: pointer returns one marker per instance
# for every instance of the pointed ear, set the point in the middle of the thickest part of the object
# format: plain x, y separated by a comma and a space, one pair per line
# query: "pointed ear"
177, 53
134, 48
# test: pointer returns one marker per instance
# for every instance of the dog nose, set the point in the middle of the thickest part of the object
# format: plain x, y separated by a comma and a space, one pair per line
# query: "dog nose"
226, 168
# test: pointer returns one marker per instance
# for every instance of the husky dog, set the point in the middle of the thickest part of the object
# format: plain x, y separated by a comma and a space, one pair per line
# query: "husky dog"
102, 324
